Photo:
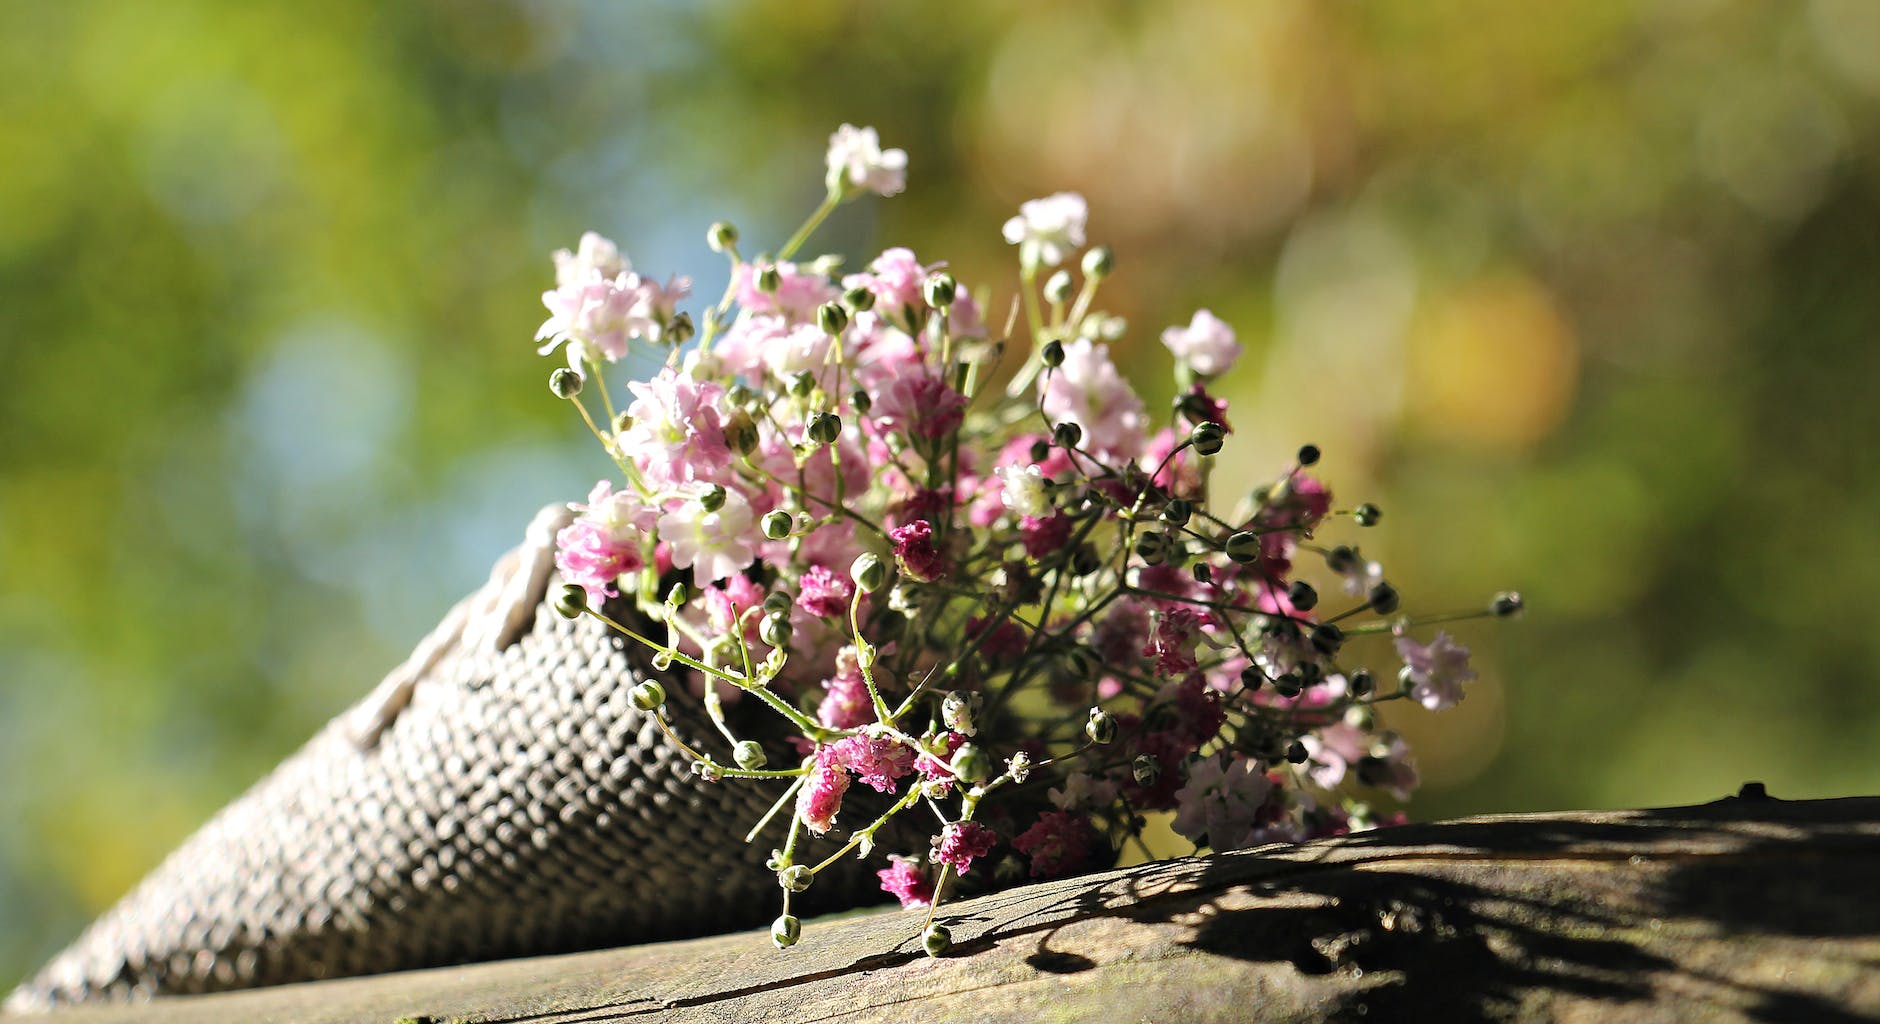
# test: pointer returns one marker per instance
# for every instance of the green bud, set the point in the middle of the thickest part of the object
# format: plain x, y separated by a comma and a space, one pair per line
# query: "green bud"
721, 236
801, 384
1178, 511
1208, 437
937, 940
785, 931
860, 401
825, 427
712, 498
869, 572
769, 280
940, 289
859, 299
647, 696
1067, 435
831, 317
1052, 353
775, 630
796, 877
1368, 514
777, 602
749, 754
1243, 547
572, 602
1101, 728
741, 432
1507, 605
564, 383
1057, 288
680, 330
776, 524
1098, 262
677, 596
1146, 769
971, 764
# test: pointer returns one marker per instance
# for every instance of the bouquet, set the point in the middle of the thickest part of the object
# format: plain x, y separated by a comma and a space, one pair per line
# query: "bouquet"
966, 567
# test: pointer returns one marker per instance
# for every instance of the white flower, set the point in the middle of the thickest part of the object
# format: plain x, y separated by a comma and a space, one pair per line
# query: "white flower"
856, 160
1023, 490
595, 258
713, 544
599, 304
1048, 229
1087, 389
1206, 345
1222, 803
1435, 671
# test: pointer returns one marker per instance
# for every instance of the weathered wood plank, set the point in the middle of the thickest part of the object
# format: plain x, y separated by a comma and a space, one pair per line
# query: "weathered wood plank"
1745, 909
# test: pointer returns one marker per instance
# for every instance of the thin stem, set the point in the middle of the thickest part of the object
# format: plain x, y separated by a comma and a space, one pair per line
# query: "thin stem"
829, 204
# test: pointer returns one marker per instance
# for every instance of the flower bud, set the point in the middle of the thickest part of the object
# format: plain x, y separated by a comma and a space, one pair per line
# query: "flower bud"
1040, 450
940, 289
1308, 454
1342, 560
1152, 547
1252, 678
825, 427
1296, 753
680, 330
1207, 437
777, 602
741, 432
1099, 262
785, 931
776, 524
831, 317
937, 940
749, 754
1289, 685
796, 877
769, 280
970, 764
1243, 547
960, 712
859, 299
869, 572
1383, 599
1178, 511
1327, 638
1057, 288
1368, 514
677, 596
712, 498
1146, 769
1101, 728
1301, 596
860, 401
647, 696
1507, 605
1053, 353
1204, 573
1362, 683
1067, 435
1085, 559
775, 630
1019, 767
564, 383
801, 384
572, 602
721, 236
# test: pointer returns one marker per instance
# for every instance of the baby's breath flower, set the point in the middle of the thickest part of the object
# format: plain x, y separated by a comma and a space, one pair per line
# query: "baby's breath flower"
857, 161
1047, 230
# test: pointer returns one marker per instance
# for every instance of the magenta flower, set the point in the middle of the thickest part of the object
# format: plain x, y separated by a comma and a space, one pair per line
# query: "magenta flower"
677, 434
1059, 843
821, 797
907, 881
602, 543
938, 769
915, 551
960, 842
919, 405
845, 703
824, 593
877, 760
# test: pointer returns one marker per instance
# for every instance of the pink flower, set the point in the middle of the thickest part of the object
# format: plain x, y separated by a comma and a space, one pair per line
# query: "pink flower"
1206, 345
877, 760
818, 802
1088, 390
962, 841
824, 593
1332, 751
895, 279
799, 291
1059, 843
918, 405
1044, 536
904, 878
1003, 647
938, 769
1223, 804
1046, 230
602, 543
1435, 671
732, 599
1172, 645
599, 304
845, 703
857, 161
914, 550
712, 544
677, 434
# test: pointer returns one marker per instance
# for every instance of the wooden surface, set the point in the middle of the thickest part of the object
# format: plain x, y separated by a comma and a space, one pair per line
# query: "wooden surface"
1745, 909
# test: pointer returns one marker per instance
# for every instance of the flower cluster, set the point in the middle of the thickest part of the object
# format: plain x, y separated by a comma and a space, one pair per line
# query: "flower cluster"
1005, 592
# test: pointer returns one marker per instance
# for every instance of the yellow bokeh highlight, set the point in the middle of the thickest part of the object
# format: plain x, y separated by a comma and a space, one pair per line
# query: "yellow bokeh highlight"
1493, 364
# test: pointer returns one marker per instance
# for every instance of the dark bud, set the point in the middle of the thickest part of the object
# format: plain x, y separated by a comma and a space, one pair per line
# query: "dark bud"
572, 601
1384, 599
1296, 753
741, 432
1243, 547
681, 329
1362, 683
831, 317
623, 422
1368, 514
940, 290
860, 402
1040, 450
1302, 596
741, 395
825, 428
859, 299
801, 384
1067, 435
712, 498
1310, 674
1086, 560
1327, 638
1308, 454
1289, 685
1178, 511
1204, 573
1146, 769
1507, 605
1252, 678
1052, 353
777, 601
1208, 437
564, 383
1341, 560
1152, 547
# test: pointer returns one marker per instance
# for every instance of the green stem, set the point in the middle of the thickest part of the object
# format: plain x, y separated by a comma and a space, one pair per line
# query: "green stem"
829, 204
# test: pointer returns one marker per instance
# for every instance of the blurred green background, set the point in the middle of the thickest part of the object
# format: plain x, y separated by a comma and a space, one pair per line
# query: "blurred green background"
1583, 294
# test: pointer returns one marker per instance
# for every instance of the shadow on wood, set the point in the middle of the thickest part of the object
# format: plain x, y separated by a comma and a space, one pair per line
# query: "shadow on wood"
1748, 909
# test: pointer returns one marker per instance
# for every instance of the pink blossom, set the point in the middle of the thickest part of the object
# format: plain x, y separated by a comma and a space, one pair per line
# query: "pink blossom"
1180, 475
677, 433
727, 601
602, 543
1223, 804
846, 703
712, 544
915, 551
1086, 389
1435, 671
918, 405
599, 304
1048, 229
1332, 751
1044, 536
1059, 843
904, 878
877, 760
824, 593
1122, 632
938, 768
820, 799
1207, 346
1199, 710
895, 279
960, 842
856, 161
799, 291
1172, 644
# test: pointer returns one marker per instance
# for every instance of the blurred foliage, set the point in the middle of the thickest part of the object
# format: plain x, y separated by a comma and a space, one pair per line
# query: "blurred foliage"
1581, 293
